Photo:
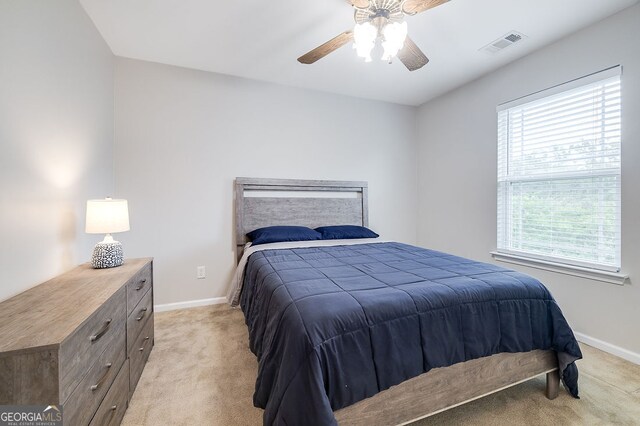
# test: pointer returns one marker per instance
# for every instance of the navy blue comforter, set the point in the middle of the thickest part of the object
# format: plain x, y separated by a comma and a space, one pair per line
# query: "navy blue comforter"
334, 325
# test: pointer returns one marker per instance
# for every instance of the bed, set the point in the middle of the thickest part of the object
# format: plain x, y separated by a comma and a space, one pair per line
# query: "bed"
372, 332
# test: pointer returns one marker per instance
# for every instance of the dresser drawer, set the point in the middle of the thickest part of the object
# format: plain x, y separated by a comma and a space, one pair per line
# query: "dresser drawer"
80, 350
86, 397
138, 286
139, 354
138, 318
114, 405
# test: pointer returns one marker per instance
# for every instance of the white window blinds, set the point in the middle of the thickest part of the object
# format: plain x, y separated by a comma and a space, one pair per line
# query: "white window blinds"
559, 173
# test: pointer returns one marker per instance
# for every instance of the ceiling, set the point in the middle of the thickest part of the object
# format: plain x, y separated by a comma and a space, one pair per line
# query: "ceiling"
261, 40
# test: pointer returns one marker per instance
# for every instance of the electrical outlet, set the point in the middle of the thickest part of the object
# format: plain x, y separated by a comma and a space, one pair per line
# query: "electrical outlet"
201, 272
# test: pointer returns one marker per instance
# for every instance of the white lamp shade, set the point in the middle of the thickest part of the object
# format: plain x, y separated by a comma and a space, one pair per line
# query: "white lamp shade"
364, 37
107, 216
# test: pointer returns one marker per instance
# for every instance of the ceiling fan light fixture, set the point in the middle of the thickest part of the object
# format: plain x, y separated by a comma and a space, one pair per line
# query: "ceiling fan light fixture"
364, 37
394, 36
382, 19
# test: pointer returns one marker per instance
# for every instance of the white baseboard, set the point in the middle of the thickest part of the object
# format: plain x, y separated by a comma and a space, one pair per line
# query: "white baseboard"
609, 348
189, 304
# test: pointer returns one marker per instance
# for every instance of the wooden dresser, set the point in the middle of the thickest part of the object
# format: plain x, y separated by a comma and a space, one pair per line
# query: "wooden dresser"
80, 340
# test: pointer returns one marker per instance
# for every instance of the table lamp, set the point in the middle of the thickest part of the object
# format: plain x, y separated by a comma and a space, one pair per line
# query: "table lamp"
107, 216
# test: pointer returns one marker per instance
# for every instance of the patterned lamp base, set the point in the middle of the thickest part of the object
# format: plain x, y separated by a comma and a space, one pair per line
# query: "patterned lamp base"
107, 255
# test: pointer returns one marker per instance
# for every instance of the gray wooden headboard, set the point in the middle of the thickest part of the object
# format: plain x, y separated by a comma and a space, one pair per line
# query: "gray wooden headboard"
312, 203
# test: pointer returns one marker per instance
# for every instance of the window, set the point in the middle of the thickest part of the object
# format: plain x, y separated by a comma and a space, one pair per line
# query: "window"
559, 174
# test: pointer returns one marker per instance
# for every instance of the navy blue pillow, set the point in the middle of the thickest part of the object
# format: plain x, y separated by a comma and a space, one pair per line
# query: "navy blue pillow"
276, 234
345, 232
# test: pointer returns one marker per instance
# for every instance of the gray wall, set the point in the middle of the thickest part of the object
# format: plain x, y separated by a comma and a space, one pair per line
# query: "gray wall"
182, 136
457, 183
56, 137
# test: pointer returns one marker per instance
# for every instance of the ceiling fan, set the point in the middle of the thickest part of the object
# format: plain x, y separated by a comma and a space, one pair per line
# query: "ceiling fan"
384, 20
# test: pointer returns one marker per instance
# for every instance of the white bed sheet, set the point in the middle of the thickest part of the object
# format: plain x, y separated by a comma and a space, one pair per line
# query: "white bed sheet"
233, 296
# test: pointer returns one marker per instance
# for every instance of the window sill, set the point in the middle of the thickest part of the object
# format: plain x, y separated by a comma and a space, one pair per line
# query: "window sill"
576, 271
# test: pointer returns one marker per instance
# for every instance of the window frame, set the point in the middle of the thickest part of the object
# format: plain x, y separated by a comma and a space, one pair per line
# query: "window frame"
602, 272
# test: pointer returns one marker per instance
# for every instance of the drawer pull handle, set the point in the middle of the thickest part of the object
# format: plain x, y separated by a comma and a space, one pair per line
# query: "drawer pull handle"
113, 407
144, 342
143, 311
141, 284
103, 378
100, 333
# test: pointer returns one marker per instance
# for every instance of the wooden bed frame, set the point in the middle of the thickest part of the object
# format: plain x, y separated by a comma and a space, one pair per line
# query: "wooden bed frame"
313, 203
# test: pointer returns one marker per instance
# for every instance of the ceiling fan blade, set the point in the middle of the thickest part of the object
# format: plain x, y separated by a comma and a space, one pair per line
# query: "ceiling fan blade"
411, 7
411, 56
326, 48
359, 3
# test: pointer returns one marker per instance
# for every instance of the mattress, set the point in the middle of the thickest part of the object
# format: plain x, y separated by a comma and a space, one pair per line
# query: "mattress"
332, 325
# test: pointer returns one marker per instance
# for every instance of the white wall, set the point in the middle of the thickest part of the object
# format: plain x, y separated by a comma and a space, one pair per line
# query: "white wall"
457, 174
56, 136
182, 136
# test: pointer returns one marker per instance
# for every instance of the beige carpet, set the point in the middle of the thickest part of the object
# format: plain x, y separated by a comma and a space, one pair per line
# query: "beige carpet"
201, 372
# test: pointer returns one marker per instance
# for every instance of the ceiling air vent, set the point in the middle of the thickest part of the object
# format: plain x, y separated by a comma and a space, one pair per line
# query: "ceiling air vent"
503, 42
